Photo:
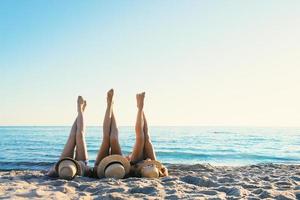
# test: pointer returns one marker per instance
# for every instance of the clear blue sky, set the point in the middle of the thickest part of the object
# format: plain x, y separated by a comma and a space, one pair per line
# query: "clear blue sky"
200, 62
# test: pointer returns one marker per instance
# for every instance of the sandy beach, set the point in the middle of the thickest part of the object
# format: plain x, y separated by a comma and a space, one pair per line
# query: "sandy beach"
201, 181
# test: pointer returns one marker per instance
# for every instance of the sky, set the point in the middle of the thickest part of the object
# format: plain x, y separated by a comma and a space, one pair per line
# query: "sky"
203, 63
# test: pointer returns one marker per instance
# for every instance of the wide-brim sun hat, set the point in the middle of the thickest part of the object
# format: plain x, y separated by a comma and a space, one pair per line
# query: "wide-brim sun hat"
68, 168
150, 172
149, 168
113, 166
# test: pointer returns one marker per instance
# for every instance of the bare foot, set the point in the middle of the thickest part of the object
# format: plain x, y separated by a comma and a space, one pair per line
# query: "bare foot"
80, 104
140, 100
109, 98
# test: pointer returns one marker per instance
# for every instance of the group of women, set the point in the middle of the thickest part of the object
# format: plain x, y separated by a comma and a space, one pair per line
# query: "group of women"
109, 162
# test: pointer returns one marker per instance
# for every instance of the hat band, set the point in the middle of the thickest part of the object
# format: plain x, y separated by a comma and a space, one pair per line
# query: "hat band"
115, 162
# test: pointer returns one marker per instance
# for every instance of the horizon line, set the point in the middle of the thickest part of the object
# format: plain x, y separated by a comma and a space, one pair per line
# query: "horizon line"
94, 125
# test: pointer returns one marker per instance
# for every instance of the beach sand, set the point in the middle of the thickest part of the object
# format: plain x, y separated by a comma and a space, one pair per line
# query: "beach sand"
201, 181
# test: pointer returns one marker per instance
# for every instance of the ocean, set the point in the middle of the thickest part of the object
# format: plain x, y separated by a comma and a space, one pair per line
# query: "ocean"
38, 147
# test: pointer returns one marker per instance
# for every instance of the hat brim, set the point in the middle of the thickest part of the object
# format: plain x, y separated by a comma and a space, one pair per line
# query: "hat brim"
105, 162
144, 163
78, 167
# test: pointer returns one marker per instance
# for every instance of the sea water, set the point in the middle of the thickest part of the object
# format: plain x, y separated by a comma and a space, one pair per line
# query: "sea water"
34, 147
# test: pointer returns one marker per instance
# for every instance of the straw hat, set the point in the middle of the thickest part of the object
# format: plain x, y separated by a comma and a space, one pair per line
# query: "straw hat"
113, 166
68, 168
149, 168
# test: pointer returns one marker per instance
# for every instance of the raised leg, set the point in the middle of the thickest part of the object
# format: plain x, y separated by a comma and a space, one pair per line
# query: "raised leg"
148, 147
81, 150
104, 148
114, 137
69, 147
137, 153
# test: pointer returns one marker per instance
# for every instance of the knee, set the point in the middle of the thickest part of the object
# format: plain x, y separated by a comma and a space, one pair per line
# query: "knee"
114, 131
80, 134
148, 140
140, 135
114, 138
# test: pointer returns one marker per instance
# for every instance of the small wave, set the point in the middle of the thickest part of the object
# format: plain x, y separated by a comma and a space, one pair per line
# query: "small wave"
25, 165
214, 156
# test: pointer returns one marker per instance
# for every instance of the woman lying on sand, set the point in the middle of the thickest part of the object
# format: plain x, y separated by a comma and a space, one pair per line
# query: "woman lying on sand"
143, 158
109, 161
67, 167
